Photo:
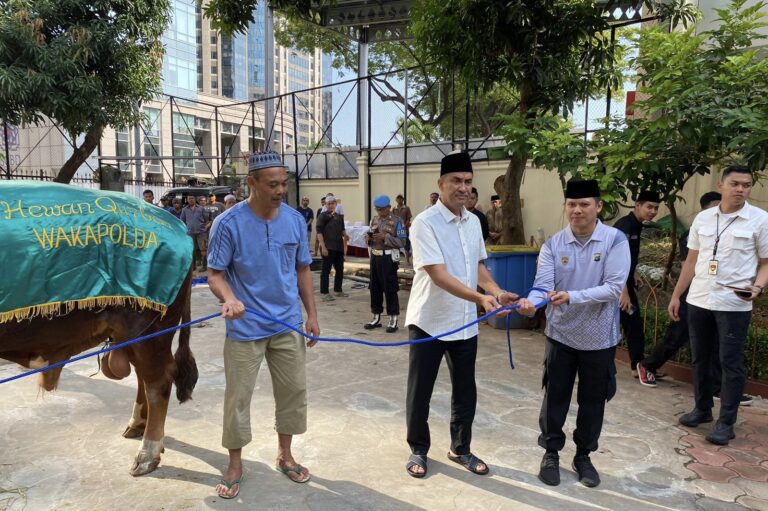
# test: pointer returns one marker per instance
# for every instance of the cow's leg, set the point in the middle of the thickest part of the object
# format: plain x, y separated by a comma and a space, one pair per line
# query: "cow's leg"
138, 420
157, 372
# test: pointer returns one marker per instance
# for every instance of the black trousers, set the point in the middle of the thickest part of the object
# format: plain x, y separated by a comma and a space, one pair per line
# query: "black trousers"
632, 326
727, 331
676, 337
423, 365
336, 259
597, 384
384, 284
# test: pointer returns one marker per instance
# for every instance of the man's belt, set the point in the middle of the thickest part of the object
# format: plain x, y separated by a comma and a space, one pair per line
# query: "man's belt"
377, 252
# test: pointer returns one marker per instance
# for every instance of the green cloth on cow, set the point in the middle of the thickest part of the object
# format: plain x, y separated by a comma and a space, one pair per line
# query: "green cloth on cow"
65, 247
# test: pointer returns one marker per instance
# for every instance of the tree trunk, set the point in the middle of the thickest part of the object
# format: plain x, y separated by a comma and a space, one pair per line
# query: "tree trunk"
512, 232
79, 155
673, 251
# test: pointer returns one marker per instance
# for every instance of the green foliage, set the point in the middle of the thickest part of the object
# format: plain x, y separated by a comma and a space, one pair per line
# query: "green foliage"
232, 16
704, 103
84, 64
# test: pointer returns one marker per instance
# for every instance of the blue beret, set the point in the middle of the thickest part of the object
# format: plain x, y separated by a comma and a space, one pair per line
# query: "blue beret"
382, 201
265, 160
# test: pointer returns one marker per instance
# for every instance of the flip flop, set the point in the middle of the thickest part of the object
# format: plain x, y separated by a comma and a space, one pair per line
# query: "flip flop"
416, 460
296, 470
470, 462
229, 485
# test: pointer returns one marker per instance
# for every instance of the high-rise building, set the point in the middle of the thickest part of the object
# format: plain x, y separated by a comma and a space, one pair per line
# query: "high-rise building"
197, 119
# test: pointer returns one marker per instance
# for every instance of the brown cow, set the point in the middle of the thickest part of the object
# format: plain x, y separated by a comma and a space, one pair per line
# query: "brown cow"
39, 342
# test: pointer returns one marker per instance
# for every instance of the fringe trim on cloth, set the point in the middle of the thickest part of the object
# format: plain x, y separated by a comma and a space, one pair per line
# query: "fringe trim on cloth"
53, 309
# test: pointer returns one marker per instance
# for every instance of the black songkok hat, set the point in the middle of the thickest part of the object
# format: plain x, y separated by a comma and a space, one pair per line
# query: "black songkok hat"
456, 162
494, 197
582, 189
648, 196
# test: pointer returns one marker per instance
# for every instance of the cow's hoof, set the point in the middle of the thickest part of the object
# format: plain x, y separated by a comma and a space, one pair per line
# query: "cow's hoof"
133, 432
143, 466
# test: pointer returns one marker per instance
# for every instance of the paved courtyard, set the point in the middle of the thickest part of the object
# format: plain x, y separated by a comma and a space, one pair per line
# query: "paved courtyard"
64, 451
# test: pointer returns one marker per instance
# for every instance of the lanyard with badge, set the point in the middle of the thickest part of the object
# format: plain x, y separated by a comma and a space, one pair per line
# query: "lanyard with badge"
713, 264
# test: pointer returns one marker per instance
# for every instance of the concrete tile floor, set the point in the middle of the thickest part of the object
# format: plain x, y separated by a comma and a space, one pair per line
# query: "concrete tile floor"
64, 451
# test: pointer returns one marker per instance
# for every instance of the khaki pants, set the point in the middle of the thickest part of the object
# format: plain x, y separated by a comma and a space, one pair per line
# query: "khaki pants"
286, 358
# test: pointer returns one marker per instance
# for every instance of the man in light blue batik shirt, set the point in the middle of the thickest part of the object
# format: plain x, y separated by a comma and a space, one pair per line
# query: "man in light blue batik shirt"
585, 267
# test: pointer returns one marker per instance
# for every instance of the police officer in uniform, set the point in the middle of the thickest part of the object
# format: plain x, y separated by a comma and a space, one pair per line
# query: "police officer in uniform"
385, 238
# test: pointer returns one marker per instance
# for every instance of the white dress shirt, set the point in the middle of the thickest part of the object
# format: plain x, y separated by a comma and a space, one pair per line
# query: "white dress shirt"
742, 244
440, 237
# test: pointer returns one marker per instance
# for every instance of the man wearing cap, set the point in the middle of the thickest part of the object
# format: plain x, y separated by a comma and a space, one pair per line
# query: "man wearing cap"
448, 261
229, 201
385, 238
646, 208
330, 235
584, 267
307, 213
175, 208
259, 259
726, 269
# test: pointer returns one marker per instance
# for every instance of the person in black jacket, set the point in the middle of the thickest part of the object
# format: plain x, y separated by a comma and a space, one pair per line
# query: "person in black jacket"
646, 208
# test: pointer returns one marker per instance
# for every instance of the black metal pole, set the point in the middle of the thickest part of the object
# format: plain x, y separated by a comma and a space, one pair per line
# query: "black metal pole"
466, 121
218, 141
586, 119
282, 128
367, 208
173, 144
608, 93
453, 111
253, 127
405, 138
296, 148
7, 151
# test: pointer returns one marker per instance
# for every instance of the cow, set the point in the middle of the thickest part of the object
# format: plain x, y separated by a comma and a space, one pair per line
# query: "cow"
42, 341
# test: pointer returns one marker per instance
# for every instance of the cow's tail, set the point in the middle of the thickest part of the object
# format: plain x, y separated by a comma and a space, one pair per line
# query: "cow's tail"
186, 367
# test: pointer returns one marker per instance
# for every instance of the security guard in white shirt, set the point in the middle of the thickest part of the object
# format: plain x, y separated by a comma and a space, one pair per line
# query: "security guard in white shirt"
726, 245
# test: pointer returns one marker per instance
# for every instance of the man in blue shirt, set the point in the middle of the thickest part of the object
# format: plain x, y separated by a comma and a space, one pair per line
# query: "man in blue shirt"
584, 267
307, 213
259, 259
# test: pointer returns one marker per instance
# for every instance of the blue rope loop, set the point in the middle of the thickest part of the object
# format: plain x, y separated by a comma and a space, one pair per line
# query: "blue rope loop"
291, 327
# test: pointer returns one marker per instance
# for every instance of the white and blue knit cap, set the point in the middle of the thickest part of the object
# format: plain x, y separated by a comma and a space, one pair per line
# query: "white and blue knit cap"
265, 160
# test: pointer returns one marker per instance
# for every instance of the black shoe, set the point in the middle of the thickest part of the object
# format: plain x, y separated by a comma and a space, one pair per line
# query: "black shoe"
586, 471
392, 326
721, 434
696, 417
373, 323
549, 473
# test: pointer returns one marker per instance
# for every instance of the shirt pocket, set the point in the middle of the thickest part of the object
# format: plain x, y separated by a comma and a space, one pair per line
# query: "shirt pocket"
288, 256
706, 239
743, 240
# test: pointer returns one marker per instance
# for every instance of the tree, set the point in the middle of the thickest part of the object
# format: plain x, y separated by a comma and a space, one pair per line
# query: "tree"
705, 104
83, 64
552, 53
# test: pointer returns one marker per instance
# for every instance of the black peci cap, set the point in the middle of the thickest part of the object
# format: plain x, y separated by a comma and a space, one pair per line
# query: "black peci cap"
578, 189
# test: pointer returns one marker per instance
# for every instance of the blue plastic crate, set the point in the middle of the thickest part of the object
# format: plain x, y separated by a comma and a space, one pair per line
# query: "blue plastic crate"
513, 269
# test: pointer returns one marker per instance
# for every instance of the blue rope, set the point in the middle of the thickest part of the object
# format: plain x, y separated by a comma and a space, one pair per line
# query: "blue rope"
291, 327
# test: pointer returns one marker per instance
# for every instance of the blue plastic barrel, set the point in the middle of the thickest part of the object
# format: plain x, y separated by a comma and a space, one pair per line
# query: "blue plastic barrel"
513, 267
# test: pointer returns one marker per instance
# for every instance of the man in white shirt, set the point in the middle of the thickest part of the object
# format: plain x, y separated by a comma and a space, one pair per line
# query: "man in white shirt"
726, 244
448, 255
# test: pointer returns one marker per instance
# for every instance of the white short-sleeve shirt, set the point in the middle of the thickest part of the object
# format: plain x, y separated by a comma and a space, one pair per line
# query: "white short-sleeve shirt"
742, 244
440, 237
